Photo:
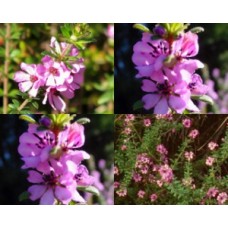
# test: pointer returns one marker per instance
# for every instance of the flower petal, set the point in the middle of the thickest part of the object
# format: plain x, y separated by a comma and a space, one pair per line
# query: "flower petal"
36, 191
150, 100
34, 177
148, 86
48, 198
161, 107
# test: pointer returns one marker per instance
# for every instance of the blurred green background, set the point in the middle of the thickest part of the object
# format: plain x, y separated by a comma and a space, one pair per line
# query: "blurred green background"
99, 144
27, 41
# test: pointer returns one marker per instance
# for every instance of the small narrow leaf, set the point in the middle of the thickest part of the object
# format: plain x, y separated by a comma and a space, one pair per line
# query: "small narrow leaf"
197, 30
204, 98
27, 118
138, 105
141, 27
83, 121
23, 196
90, 189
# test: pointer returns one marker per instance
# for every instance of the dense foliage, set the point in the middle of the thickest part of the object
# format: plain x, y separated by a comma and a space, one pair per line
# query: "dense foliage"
165, 159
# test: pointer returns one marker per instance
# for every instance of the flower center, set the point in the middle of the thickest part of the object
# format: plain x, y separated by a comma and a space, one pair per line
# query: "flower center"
54, 71
164, 88
51, 179
33, 78
159, 49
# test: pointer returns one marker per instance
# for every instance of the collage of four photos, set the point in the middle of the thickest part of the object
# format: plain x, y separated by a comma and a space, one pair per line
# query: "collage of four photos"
114, 114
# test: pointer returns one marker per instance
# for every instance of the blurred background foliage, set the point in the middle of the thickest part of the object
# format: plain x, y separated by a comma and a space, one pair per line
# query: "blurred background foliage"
213, 53
27, 41
99, 144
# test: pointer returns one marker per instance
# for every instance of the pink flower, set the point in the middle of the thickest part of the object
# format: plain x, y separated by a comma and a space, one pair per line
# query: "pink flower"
122, 192
110, 31
212, 192
147, 122
141, 194
212, 145
161, 149
116, 184
52, 185
153, 197
187, 123
55, 72
123, 147
210, 161
30, 78
165, 92
129, 117
193, 134
137, 177
222, 197
189, 155
166, 173
127, 131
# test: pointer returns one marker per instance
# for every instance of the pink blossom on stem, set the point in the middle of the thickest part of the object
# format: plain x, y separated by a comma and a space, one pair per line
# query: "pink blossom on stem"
189, 155
187, 123
161, 149
193, 134
210, 161
212, 145
147, 122
153, 197
30, 79
141, 194
222, 197
212, 192
122, 192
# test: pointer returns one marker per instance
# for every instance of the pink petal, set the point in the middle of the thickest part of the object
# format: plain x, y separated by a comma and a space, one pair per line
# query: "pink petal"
63, 194
44, 167
145, 71
58, 103
142, 47
31, 162
21, 76
148, 86
36, 191
25, 86
48, 198
161, 107
176, 102
27, 150
45, 153
28, 138
150, 100
34, 177
77, 197
29, 68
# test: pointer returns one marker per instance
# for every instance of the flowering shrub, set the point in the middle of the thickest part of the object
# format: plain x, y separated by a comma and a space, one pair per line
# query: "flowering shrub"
51, 150
177, 159
165, 60
68, 66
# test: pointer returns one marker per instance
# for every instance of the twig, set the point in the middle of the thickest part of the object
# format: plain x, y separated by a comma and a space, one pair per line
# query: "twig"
6, 69
25, 102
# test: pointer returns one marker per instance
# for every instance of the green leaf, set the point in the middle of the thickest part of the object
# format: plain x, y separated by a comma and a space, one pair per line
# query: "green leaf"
90, 189
141, 27
23, 196
16, 103
138, 105
83, 121
197, 30
35, 105
27, 118
204, 98
106, 97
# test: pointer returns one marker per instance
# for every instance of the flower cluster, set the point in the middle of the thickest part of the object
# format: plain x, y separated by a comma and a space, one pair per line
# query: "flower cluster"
57, 76
164, 61
53, 156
